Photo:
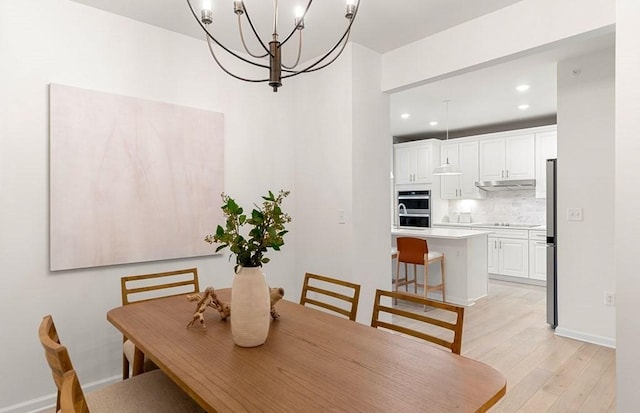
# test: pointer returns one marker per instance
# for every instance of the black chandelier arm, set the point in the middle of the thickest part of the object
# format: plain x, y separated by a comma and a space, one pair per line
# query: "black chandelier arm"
226, 49
227, 71
245, 44
255, 32
296, 27
344, 44
311, 67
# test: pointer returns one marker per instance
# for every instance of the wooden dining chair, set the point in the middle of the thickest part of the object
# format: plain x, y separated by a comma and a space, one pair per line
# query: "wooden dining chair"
149, 392
433, 330
136, 288
344, 293
416, 251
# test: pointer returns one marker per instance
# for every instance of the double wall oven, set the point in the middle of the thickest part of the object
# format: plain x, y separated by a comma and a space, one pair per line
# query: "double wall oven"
414, 209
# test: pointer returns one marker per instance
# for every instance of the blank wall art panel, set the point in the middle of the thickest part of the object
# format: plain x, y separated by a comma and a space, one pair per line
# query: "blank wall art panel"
131, 180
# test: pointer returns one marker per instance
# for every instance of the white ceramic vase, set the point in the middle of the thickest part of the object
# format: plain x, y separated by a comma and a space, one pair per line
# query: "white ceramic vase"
250, 307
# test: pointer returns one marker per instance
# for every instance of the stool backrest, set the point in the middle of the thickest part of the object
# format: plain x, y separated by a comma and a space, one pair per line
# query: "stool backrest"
412, 250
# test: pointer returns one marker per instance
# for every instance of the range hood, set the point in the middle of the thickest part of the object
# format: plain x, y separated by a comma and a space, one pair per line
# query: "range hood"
512, 185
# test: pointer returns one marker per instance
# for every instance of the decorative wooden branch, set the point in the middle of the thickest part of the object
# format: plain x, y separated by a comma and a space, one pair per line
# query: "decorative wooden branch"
210, 299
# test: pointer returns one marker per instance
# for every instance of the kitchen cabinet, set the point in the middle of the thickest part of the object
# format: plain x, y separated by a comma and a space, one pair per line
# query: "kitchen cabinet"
465, 156
508, 253
414, 162
546, 148
507, 158
538, 255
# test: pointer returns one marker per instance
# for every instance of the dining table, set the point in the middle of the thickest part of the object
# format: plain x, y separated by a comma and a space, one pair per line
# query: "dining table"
312, 361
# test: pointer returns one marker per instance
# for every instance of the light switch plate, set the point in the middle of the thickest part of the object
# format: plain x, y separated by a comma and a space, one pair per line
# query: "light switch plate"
574, 214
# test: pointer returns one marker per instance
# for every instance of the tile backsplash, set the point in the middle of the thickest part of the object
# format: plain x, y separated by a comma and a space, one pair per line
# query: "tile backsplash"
504, 206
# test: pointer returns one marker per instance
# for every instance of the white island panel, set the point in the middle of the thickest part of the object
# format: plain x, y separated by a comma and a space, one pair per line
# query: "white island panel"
465, 254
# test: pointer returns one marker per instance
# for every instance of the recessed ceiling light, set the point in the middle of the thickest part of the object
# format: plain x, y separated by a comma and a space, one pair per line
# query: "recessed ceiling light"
523, 107
405, 116
522, 88
433, 123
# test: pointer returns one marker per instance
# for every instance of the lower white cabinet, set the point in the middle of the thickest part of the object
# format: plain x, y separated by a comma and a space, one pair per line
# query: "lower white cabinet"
508, 256
537, 255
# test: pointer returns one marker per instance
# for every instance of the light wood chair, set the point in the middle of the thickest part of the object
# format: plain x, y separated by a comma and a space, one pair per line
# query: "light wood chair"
319, 284
136, 288
416, 251
455, 345
149, 392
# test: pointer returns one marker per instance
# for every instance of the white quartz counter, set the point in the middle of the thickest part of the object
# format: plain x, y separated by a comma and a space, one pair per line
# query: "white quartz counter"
446, 233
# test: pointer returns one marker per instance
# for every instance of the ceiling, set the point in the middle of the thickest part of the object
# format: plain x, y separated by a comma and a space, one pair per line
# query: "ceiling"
481, 97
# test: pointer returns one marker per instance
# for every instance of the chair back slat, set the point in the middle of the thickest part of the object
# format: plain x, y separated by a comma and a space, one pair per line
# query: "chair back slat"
454, 345
136, 288
321, 287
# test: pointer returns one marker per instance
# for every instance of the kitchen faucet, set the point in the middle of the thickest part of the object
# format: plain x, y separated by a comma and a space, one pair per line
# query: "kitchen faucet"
401, 206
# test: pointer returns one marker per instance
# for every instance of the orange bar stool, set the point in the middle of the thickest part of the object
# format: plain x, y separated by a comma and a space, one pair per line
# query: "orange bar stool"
416, 251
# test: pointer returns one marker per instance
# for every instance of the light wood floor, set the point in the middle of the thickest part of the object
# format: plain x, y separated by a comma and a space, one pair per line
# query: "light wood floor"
545, 373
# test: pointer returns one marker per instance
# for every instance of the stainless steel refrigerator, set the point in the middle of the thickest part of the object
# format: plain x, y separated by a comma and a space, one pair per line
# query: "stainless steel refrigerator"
552, 244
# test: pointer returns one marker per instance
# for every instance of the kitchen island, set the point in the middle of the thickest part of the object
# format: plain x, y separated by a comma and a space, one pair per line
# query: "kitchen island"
465, 254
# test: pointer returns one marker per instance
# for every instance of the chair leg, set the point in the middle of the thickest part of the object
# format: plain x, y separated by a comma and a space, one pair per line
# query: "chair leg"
125, 367
426, 281
442, 274
397, 275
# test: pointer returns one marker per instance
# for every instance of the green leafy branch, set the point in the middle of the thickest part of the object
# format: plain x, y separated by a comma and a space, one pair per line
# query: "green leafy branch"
268, 229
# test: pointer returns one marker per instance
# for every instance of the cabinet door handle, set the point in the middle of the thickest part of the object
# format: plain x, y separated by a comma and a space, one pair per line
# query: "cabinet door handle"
495, 244
502, 174
507, 173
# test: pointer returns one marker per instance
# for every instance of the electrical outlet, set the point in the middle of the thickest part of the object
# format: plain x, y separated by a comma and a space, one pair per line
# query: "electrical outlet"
609, 298
574, 214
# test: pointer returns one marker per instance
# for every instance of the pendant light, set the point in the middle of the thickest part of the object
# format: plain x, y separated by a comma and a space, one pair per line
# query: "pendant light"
447, 169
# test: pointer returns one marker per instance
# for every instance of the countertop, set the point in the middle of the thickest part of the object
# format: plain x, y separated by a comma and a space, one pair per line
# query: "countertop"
446, 233
485, 225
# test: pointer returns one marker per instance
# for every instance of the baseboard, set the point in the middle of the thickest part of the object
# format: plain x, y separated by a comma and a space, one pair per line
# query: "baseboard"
48, 402
588, 338
517, 280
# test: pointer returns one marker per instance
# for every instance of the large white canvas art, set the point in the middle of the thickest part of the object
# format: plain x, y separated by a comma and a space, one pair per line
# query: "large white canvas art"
131, 180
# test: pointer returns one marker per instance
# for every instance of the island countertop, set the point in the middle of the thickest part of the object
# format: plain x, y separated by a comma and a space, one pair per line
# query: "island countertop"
445, 233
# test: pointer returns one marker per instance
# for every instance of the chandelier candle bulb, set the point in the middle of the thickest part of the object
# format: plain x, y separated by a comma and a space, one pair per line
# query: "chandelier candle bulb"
238, 7
299, 20
207, 12
350, 9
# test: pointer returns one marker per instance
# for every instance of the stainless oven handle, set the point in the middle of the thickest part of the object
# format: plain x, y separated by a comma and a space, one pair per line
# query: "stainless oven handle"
413, 197
414, 215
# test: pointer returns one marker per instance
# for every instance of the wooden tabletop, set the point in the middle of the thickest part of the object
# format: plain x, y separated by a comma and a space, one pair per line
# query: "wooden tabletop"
312, 362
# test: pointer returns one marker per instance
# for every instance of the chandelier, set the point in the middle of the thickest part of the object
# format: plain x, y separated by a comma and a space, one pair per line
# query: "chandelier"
270, 55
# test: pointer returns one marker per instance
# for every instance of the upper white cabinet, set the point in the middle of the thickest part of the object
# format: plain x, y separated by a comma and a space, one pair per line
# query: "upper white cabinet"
546, 148
414, 162
465, 156
507, 158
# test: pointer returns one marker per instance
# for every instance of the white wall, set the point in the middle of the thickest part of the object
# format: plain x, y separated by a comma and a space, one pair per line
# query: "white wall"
586, 132
524, 27
342, 163
627, 201
59, 41
371, 260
